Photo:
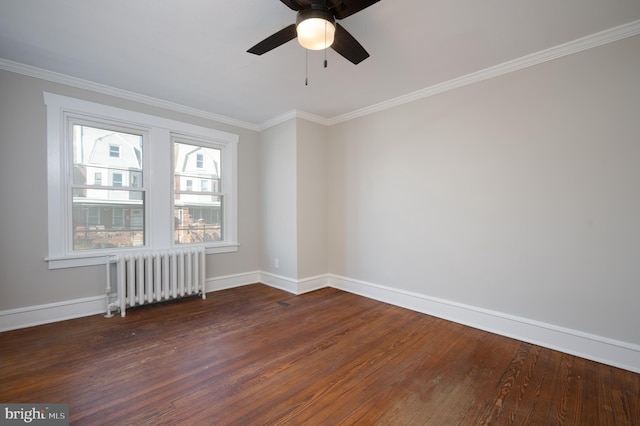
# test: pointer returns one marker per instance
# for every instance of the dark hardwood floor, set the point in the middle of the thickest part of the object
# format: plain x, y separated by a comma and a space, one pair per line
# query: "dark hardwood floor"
259, 356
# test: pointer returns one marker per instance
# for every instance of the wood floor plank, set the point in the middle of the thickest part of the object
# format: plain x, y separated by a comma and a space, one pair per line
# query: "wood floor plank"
255, 355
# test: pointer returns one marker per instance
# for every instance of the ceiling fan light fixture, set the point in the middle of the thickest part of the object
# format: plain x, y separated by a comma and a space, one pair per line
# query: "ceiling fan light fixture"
316, 29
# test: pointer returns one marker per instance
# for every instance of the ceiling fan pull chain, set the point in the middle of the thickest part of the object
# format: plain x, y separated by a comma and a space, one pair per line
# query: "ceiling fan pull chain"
325, 44
306, 67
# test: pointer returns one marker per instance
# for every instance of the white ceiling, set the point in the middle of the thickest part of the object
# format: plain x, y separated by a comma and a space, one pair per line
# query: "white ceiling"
193, 52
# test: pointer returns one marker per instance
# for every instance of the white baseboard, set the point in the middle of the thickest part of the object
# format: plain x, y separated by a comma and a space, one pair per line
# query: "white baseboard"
232, 281
307, 285
280, 282
596, 348
292, 285
29, 316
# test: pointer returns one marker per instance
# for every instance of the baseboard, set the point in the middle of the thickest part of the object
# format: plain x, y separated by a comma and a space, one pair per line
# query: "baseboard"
232, 281
280, 282
307, 285
596, 348
292, 285
29, 316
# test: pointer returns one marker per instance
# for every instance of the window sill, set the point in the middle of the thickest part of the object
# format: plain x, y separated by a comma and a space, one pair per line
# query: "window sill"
79, 260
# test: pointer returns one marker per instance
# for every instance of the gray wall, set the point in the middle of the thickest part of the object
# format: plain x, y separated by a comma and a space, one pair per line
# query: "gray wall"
519, 194
24, 277
312, 199
278, 200
294, 199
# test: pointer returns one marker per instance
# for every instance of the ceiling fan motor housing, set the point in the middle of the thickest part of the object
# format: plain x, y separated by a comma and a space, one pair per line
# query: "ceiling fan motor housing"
323, 13
315, 27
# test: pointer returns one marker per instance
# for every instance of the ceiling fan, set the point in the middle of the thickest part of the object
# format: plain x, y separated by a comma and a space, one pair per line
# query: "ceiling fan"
316, 28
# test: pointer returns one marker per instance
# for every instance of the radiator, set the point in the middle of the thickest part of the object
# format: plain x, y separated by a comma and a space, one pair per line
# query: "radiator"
154, 276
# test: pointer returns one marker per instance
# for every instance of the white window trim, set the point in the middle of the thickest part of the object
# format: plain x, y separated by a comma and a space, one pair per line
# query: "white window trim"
159, 189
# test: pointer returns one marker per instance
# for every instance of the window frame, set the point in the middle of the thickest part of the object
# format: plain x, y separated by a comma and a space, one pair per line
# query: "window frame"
158, 178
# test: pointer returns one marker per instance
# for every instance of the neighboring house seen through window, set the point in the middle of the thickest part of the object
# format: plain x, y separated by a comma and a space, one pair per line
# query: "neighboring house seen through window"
198, 212
92, 147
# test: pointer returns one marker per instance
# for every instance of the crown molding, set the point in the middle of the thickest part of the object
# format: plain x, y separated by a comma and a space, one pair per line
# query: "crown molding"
277, 120
312, 117
79, 83
598, 39
293, 114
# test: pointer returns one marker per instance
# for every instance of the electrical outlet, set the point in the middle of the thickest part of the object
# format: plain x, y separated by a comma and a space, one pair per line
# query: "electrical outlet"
276, 263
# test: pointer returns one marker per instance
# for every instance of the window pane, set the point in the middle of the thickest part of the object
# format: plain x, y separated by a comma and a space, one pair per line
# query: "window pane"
198, 223
106, 157
197, 202
110, 218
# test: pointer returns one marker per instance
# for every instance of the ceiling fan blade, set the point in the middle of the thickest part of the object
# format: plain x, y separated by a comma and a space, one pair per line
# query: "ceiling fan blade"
346, 45
293, 4
349, 7
278, 39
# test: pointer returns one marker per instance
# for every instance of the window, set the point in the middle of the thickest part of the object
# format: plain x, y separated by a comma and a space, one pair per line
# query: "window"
118, 181
118, 218
198, 214
114, 151
91, 216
